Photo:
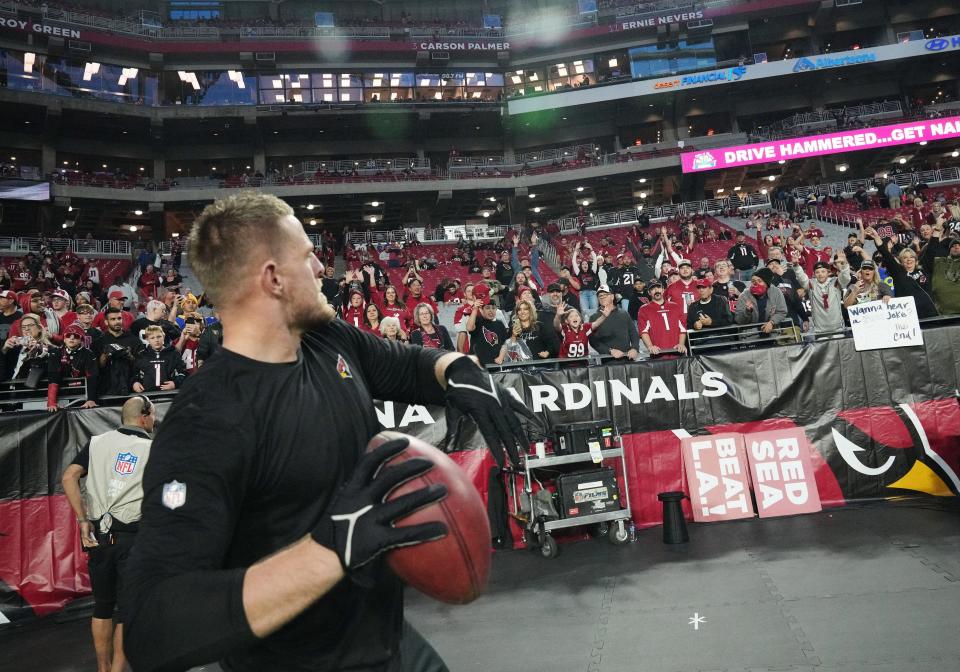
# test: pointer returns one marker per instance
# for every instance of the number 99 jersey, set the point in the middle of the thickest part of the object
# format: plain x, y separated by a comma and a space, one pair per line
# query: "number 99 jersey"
575, 343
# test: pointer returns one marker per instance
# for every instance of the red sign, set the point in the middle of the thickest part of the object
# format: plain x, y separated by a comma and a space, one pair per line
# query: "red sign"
782, 474
716, 468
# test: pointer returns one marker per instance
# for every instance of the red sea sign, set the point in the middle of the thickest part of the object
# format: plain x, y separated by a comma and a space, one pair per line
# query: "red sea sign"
717, 477
782, 474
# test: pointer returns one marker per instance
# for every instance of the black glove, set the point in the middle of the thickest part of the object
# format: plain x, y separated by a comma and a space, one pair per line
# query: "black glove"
472, 392
358, 524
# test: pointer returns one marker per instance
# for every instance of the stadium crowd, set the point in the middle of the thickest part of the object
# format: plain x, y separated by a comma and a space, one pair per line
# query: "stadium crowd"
59, 324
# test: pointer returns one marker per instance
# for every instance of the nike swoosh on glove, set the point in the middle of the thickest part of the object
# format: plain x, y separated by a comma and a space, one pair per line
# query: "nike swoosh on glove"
473, 393
358, 524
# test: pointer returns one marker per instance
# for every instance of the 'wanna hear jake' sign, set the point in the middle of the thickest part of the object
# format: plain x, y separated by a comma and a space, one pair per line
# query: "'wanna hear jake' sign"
876, 324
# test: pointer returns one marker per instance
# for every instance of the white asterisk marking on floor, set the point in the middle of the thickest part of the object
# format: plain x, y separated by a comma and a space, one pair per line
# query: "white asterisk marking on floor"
696, 620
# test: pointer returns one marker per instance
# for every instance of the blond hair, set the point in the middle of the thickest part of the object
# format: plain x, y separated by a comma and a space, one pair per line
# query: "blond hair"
226, 234
153, 329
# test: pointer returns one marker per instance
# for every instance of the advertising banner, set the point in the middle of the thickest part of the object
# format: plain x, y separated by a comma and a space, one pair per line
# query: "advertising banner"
873, 424
819, 145
718, 478
782, 476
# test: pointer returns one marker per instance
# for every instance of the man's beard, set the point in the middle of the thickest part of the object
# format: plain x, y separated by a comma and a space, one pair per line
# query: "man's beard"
312, 313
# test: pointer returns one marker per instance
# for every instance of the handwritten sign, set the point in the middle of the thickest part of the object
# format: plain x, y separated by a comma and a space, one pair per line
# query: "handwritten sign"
878, 325
717, 477
783, 480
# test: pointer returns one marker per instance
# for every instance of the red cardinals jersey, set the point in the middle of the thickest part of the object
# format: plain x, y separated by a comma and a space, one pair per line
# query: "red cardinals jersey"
663, 323
811, 256
575, 343
399, 312
354, 315
682, 293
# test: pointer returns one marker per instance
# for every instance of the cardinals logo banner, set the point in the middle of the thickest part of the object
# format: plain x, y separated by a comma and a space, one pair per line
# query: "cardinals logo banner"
875, 424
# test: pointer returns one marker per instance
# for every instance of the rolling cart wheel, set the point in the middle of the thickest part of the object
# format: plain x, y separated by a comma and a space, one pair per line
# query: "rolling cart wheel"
549, 548
618, 533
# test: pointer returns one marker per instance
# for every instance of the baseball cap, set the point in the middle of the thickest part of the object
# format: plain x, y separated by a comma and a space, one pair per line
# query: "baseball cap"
684, 262
8, 294
116, 295
741, 233
75, 330
604, 289
867, 263
823, 264
702, 283
60, 294
654, 283
554, 287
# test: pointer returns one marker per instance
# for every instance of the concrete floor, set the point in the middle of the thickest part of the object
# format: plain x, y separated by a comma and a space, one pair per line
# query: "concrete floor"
871, 587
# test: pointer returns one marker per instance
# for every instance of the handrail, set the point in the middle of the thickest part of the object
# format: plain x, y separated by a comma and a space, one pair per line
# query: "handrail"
18, 245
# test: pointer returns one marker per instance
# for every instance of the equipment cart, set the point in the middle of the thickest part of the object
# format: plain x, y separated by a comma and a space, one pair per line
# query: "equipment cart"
540, 521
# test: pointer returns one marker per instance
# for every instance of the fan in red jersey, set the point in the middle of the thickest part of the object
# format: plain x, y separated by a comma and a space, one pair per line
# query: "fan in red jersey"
353, 312
574, 332
683, 292
661, 323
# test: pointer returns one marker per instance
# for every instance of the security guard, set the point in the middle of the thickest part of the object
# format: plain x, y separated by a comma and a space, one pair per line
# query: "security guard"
113, 465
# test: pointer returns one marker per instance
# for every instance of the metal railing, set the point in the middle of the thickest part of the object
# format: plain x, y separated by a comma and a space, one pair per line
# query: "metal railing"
742, 335
805, 121
18, 245
362, 165
659, 213
558, 153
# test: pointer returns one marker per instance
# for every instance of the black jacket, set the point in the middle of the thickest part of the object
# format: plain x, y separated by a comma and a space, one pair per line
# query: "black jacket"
718, 310
81, 363
416, 337
153, 368
120, 352
210, 341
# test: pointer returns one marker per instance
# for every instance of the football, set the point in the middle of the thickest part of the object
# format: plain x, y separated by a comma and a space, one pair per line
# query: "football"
453, 569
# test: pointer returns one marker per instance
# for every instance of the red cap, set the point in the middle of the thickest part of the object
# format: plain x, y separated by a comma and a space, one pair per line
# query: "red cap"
8, 294
703, 282
60, 294
74, 329
116, 295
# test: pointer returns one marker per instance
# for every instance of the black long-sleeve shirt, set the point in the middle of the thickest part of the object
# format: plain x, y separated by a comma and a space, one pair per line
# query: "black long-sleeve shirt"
261, 449
743, 256
905, 285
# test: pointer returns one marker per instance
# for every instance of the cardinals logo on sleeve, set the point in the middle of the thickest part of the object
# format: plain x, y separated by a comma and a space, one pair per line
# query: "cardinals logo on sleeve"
343, 369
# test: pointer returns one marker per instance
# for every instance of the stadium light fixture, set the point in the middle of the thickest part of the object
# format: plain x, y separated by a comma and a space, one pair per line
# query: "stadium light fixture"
138, 212
179, 170
492, 199
643, 194
642, 180
70, 208
191, 79
142, 168
313, 222
309, 206
579, 188
125, 74
103, 165
763, 191
236, 77
373, 220
534, 195
612, 63
923, 143
89, 70
585, 202
13, 158
736, 188
376, 204
537, 209
29, 58
720, 190
782, 161
842, 167
63, 226
133, 229
486, 214
772, 178
902, 161
954, 153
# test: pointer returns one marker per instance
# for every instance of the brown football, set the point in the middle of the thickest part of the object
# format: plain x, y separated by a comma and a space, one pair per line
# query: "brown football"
453, 569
